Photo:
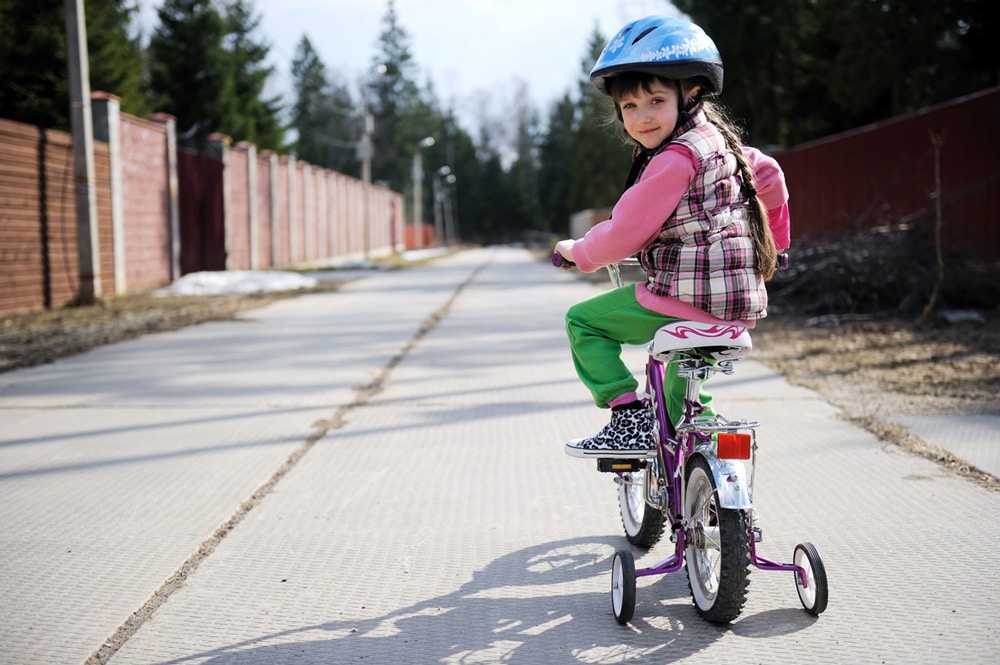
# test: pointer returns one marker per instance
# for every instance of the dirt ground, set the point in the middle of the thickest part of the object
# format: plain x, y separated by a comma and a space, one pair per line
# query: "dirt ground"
40, 337
869, 365
878, 368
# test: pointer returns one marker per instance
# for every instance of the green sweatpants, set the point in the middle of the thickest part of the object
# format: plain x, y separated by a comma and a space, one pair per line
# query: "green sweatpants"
598, 327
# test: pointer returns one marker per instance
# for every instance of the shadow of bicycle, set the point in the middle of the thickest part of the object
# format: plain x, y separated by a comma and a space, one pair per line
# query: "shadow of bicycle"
545, 604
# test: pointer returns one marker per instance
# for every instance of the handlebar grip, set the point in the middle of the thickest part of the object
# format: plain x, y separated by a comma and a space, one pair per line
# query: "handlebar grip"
559, 261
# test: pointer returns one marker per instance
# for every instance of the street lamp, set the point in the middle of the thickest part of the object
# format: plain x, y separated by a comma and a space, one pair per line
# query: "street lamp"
365, 154
449, 211
443, 228
418, 183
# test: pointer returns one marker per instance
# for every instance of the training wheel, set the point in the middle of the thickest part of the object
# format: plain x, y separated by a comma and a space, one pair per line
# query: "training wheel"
623, 586
814, 597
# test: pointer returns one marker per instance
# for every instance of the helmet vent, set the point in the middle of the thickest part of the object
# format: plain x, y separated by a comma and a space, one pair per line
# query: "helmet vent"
667, 46
643, 34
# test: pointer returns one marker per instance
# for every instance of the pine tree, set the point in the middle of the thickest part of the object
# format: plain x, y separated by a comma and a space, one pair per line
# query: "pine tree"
310, 112
393, 96
117, 61
190, 71
257, 120
33, 68
555, 169
344, 129
584, 157
797, 71
33, 86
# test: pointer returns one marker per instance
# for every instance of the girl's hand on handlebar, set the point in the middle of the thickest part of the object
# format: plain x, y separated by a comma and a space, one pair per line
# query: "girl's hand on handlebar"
563, 256
559, 262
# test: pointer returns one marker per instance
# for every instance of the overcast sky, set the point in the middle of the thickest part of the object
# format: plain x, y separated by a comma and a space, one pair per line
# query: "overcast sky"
464, 46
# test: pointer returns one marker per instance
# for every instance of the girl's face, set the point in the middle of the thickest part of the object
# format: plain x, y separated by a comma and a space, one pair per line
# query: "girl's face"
649, 115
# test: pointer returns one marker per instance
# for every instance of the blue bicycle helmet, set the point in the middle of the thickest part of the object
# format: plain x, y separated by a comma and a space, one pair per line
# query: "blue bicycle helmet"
673, 48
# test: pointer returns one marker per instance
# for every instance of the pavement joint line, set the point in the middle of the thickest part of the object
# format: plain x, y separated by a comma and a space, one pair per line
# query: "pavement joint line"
901, 437
321, 428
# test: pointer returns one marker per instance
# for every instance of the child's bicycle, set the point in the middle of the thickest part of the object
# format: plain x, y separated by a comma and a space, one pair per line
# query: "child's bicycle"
697, 483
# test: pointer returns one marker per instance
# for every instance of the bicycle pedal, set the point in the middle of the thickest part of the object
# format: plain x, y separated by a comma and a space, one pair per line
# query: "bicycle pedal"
611, 465
758, 534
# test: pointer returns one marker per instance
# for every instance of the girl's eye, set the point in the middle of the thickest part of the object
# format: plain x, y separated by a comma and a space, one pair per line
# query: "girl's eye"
628, 105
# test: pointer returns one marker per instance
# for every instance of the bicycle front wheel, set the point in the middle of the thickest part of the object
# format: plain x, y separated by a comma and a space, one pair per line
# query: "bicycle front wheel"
643, 523
717, 552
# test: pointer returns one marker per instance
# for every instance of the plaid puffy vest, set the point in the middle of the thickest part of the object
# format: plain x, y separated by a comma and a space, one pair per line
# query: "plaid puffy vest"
704, 254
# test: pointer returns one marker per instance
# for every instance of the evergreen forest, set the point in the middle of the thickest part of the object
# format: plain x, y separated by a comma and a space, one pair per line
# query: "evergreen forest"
796, 70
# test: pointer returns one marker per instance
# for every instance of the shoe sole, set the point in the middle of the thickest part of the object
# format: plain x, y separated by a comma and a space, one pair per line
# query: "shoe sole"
617, 454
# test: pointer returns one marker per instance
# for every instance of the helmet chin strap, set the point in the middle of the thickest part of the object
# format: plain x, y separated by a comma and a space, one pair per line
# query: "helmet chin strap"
686, 109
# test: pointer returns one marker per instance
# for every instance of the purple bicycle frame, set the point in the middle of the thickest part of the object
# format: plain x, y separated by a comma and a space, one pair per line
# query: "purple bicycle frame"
670, 455
667, 444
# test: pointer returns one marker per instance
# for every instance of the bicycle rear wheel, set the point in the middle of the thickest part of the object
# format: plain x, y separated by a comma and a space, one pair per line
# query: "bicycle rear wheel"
643, 523
718, 548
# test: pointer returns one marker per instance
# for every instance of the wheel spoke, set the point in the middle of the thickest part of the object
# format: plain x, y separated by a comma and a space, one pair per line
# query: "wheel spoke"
643, 523
718, 551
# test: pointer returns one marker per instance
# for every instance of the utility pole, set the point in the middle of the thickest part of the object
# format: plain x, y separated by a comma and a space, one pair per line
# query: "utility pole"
81, 120
365, 153
418, 188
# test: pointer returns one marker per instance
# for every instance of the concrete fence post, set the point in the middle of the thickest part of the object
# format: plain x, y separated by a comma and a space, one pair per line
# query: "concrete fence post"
253, 218
292, 235
106, 111
169, 123
218, 147
272, 184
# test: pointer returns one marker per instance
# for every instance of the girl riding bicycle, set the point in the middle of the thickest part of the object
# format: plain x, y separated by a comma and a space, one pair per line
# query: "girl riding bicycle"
705, 215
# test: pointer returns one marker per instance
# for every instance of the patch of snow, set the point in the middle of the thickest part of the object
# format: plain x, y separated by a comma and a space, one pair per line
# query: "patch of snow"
220, 282
430, 252
236, 281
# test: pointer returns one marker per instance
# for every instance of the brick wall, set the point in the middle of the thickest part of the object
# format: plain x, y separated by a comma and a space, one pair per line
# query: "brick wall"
292, 213
145, 198
883, 174
39, 266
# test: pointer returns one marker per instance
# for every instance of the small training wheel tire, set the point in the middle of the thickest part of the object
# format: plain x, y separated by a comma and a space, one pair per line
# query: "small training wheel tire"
815, 597
623, 586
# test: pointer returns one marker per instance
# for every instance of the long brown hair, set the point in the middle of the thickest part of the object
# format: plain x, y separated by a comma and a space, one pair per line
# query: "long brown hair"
765, 251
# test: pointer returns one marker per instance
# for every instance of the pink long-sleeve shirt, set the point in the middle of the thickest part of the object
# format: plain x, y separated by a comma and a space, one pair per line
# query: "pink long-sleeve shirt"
638, 217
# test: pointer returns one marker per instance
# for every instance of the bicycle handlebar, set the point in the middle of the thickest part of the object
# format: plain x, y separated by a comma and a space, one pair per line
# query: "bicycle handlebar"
559, 261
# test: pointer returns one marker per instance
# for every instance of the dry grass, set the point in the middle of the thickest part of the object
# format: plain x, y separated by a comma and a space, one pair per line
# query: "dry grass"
874, 369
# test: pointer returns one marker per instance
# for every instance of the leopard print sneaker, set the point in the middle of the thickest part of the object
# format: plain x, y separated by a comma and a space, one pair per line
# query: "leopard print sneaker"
629, 434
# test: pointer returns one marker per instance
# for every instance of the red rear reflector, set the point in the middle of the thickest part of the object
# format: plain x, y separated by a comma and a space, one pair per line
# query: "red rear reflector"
734, 446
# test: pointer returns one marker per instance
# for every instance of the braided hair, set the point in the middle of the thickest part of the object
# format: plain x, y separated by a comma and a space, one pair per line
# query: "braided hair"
765, 251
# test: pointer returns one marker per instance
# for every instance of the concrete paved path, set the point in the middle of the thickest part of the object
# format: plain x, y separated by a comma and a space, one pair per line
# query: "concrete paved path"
377, 476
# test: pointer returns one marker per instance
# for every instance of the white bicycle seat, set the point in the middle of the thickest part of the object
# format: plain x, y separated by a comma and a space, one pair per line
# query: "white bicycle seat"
718, 341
